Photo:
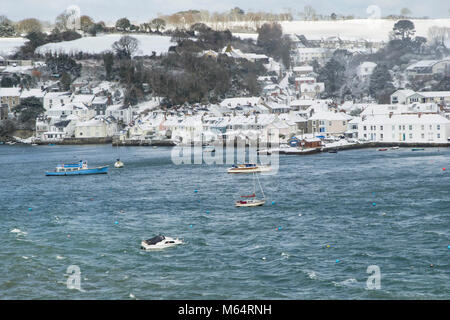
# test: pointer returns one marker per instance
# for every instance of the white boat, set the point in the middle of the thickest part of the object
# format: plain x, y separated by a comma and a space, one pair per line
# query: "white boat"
250, 203
395, 148
118, 164
248, 168
160, 242
251, 200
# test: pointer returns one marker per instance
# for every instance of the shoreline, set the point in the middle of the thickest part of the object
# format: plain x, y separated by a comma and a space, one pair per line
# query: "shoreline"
294, 151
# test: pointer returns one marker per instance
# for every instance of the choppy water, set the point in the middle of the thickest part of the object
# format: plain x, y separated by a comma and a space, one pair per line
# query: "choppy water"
230, 253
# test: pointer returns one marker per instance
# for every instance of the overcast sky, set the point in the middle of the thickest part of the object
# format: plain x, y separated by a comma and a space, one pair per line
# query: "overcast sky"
144, 10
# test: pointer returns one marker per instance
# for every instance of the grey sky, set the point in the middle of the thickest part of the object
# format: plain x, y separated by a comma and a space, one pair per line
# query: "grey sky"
144, 10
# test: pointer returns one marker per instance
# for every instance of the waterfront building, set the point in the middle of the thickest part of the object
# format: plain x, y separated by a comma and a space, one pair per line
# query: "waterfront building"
412, 128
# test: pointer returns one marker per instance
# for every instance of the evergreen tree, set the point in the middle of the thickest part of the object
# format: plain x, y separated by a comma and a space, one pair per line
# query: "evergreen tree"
381, 86
332, 75
29, 109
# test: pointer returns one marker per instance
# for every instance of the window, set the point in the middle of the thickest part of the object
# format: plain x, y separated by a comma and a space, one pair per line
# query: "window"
381, 136
438, 135
438, 127
410, 136
410, 127
423, 127
365, 128
393, 128
381, 127
422, 136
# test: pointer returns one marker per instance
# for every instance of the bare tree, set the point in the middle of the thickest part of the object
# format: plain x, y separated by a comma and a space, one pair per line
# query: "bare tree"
438, 35
126, 47
310, 13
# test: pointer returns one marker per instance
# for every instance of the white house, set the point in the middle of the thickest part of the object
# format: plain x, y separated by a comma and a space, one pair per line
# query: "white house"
304, 55
440, 97
53, 99
365, 69
77, 109
120, 113
413, 128
311, 90
98, 127
401, 95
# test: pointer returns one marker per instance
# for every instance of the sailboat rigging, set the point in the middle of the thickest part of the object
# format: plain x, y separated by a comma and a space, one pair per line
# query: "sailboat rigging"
251, 200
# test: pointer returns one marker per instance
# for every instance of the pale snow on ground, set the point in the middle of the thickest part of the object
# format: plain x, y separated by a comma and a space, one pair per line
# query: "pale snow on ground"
101, 43
10, 45
370, 29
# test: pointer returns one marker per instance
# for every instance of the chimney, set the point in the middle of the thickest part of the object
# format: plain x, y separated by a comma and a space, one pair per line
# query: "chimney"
390, 114
420, 114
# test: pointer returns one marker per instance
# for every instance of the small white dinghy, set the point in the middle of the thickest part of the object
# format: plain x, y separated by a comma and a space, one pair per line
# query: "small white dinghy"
118, 164
160, 242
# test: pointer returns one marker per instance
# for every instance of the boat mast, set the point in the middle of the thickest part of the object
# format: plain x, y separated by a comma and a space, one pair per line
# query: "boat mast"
262, 191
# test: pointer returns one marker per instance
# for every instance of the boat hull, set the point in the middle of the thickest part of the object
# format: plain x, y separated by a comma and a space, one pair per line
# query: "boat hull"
255, 203
99, 170
249, 170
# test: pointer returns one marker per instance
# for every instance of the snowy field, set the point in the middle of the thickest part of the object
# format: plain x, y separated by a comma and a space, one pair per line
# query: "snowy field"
371, 29
10, 45
147, 44
376, 30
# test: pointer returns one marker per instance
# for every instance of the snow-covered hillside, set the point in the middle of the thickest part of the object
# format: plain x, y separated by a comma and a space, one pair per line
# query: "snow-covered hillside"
147, 44
376, 30
10, 45
370, 29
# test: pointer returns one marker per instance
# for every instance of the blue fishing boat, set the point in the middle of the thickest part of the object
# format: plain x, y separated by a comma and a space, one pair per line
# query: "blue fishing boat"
80, 168
417, 149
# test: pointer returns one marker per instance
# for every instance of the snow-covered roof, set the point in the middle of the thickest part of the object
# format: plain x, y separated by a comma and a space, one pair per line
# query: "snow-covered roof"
431, 94
232, 103
406, 119
328, 115
26, 93
405, 92
422, 64
303, 69
9, 92
385, 109
84, 98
